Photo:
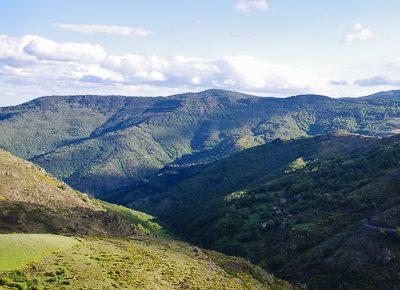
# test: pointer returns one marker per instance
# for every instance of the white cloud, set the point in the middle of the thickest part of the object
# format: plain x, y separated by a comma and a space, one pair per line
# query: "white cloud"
196, 81
35, 64
12, 48
49, 50
252, 73
107, 29
359, 33
249, 5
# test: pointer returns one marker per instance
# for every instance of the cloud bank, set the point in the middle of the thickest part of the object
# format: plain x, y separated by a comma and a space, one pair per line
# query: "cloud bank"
44, 67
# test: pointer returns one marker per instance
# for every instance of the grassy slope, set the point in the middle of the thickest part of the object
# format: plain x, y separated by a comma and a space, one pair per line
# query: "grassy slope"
42, 203
17, 250
22, 181
144, 263
145, 223
34, 201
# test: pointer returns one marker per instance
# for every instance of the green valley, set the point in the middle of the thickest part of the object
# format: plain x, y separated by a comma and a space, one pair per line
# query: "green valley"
54, 237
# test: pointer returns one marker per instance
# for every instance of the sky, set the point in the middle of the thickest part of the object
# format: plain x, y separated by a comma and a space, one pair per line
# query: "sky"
341, 48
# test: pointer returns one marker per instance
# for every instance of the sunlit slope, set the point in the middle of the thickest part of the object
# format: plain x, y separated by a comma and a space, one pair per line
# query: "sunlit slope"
141, 263
17, 250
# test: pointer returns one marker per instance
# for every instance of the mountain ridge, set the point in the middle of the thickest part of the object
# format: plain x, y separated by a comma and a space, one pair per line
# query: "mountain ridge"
106, 143
207, 93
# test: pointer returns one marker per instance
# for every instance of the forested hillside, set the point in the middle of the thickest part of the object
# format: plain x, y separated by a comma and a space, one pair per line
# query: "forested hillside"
323, 211
100, 144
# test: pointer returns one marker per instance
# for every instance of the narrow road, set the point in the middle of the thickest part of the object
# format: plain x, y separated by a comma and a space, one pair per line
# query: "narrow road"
370, 227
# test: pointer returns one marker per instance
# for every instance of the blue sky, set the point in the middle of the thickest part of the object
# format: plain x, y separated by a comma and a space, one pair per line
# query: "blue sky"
266, 47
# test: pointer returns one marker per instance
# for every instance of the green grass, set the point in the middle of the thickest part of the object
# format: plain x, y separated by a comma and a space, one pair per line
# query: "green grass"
144, 222
140, 263
17, 250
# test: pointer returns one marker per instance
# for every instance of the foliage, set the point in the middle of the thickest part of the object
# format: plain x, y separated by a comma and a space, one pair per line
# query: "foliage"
250, 205
297, 164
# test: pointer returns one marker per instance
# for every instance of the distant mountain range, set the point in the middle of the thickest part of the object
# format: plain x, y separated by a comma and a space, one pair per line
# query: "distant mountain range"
99, 144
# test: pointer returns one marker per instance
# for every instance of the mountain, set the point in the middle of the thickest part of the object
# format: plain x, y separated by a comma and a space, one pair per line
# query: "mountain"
54, 237
99, 144
320, 211
385, 96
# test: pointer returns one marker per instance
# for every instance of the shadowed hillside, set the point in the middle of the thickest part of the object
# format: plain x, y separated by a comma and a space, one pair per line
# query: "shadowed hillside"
321, 211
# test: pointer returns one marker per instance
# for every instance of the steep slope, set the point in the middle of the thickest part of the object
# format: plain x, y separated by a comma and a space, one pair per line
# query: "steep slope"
310, 210
101, 143
108, 246
32, 200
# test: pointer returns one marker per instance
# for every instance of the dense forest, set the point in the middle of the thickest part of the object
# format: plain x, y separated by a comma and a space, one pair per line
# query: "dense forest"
298, 208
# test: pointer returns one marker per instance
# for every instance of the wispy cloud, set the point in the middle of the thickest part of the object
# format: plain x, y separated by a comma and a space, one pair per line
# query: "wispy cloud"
379, 80
359, 33
107, 29
250, 5
338, 83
